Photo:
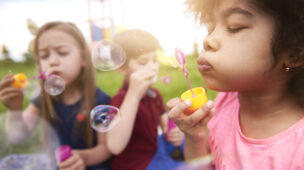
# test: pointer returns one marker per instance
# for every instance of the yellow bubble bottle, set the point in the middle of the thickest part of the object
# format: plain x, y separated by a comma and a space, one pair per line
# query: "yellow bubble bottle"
21, 80
198, 100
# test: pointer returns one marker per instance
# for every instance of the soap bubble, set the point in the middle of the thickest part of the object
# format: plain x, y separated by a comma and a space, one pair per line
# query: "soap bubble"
35, 151
32, 90
108, 55
104, 117
54, 85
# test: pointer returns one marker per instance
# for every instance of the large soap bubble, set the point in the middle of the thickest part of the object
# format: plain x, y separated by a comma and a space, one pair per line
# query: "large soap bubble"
108, 55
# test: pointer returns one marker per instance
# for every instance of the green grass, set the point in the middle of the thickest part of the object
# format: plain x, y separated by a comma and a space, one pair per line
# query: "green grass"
110, 82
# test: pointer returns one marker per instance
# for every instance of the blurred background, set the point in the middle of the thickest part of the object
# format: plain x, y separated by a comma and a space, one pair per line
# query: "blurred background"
168, 20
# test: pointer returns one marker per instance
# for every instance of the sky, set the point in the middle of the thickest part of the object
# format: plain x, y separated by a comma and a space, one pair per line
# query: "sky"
166, 19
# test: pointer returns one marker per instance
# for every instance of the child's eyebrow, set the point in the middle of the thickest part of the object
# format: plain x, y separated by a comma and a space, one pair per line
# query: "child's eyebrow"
237, 10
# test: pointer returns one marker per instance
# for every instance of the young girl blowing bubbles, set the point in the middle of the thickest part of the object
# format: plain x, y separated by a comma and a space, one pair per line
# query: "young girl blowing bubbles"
253, 55
61, 50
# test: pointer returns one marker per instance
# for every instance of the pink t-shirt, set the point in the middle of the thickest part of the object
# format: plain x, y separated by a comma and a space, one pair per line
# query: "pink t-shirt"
231, 150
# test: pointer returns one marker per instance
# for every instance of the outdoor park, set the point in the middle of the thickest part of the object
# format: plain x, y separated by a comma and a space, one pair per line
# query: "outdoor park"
109, 81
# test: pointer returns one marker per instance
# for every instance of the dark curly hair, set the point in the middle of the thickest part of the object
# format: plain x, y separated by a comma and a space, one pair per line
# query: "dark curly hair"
288, 34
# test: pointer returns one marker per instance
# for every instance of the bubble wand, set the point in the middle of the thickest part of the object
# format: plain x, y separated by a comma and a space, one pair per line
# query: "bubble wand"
181, 59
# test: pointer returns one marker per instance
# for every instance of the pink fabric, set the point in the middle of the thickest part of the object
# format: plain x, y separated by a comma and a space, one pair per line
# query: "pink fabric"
231, 150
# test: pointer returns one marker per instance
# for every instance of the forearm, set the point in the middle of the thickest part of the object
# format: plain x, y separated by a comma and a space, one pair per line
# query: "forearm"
195, 148
95, 155
119, 136
15, 127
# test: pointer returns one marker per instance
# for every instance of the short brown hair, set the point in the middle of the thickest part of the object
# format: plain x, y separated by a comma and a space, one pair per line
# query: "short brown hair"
136, 42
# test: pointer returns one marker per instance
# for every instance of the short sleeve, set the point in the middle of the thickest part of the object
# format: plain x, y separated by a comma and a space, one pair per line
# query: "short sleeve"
118, 98
36, 101
160, 103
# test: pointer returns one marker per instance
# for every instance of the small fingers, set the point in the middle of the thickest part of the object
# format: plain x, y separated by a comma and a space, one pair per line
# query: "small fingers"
69, 162
200, 114
179, 109
7, 81
173, 102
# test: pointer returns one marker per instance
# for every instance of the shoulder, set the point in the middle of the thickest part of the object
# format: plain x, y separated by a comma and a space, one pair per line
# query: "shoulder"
101, 97
117, 99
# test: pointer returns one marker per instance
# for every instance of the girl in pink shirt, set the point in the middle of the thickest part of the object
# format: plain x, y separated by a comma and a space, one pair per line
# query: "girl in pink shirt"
253, 55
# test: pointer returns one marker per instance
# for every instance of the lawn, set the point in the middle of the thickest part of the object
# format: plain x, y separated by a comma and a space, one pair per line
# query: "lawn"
110, 82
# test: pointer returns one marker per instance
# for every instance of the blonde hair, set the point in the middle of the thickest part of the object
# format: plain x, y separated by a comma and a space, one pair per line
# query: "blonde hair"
85, 80
136, 42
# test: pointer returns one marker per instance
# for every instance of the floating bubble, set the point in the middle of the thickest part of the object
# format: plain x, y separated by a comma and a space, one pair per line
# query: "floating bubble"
104, 117
54, 85
32, 90
108, 55
36, 151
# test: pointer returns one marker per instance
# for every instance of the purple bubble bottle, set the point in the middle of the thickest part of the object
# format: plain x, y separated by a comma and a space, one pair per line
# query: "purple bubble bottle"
63, 152
177, 153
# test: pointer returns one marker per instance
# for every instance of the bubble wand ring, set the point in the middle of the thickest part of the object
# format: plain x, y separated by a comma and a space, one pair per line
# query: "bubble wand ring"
181, 59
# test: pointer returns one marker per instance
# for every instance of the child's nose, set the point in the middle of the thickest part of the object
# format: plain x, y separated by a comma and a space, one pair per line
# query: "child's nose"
54, 60
152, 65
211, 43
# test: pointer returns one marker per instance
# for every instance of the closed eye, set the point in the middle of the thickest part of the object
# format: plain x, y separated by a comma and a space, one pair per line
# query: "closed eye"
235, 29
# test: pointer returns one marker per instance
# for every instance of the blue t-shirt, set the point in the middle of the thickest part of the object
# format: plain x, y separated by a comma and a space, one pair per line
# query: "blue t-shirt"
65, 128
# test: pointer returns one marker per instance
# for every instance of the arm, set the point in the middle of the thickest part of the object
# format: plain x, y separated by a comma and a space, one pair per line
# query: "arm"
119, 136
193, 126
18, 125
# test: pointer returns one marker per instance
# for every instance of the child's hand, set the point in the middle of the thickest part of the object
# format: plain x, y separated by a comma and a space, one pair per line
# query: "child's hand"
74, 162
10, 96
175, 136
140, 81
192, 125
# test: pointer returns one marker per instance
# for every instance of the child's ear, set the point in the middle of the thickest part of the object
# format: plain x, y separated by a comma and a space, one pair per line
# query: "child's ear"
292, 62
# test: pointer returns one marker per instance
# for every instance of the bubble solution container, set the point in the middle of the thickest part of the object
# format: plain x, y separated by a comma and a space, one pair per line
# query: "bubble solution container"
63, 152
198, 100
20, 80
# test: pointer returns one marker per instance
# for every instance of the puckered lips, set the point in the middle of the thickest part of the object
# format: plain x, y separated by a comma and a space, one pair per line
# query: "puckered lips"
55, 72
203, 65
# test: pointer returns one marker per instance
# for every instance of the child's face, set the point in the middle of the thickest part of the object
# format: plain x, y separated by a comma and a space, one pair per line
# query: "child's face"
237, 53
145, 61
59, 54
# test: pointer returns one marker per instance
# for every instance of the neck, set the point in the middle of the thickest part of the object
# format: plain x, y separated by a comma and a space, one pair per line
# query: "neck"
266, 114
